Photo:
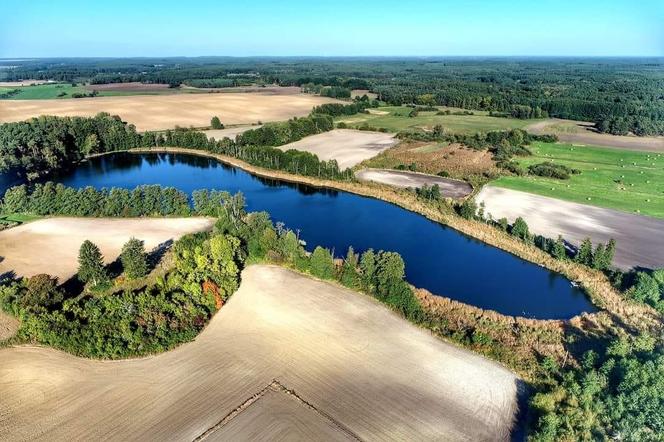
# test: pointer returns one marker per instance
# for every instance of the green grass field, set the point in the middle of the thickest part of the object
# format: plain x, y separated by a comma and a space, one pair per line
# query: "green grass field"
397, 119
66, 90
44, 91
18, 218
618, 179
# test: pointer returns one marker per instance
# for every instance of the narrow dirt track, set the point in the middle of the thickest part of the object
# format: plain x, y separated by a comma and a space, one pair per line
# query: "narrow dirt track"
354, 369
639, 239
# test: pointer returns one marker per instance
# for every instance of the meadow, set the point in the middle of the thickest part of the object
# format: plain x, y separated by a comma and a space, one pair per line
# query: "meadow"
396, 118
618, 179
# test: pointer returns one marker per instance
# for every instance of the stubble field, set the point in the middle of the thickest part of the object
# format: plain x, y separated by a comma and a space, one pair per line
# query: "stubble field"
157, 112
288, 353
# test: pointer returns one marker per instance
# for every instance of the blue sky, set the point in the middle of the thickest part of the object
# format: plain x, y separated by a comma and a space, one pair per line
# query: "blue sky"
50, 28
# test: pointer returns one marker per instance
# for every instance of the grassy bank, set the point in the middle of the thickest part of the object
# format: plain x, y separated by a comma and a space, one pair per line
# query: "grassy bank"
618, 179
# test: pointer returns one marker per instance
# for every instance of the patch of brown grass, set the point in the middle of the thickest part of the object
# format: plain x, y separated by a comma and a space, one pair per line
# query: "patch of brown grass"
454, 159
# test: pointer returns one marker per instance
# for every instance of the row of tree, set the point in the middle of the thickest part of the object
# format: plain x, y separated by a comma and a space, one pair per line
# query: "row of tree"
57, 199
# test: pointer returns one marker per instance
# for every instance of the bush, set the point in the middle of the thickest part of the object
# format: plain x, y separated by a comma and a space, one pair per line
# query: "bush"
215, 123
552, 170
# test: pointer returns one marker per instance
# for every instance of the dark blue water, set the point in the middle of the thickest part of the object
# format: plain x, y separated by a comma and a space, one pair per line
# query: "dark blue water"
437, 258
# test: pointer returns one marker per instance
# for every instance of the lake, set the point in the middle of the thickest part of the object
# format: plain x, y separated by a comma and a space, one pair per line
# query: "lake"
437, 258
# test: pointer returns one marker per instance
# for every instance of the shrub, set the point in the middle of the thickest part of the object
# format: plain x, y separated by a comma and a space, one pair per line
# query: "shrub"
215, 123
552, 170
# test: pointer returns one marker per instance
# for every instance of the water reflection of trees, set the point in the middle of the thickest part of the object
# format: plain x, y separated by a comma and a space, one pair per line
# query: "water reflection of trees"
304, 189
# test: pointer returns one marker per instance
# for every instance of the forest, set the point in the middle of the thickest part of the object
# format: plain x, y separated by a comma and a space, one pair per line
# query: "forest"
35, 148
620, 95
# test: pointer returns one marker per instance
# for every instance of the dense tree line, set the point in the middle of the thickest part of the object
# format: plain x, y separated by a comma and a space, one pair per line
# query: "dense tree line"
57, 199
34, 147
37, 147
620, 95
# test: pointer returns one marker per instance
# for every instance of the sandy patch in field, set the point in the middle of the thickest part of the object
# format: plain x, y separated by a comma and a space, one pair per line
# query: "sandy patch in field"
23, 83
360, 92
349, 147
230, 132
639, 239
377, 112
448, 188
51, 245
154, 112
361, 369
581, 132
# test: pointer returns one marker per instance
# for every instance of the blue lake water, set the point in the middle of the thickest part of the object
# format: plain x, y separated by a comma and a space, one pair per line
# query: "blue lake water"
437, 258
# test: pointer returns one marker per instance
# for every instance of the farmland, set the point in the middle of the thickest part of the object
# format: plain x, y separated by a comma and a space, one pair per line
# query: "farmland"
51, 245
156, 112
348, 147
304, 350
618, 179
639, 239
396, 119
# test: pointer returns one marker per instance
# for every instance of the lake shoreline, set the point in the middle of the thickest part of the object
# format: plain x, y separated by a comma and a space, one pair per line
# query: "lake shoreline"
595, 284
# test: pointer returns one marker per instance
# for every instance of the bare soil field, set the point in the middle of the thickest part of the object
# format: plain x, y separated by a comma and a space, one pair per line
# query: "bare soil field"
582, 133
297, 355
639, 239
349, 147
448, 187
51, 245
360, 92
155, 112
230, 132
134, 86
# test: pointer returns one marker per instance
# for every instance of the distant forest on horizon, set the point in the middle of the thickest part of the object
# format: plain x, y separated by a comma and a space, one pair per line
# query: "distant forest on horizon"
620, 95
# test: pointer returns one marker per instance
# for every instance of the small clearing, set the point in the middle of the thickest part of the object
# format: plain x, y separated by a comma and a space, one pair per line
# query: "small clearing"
230, 132
156, 112
449, 188
286, 357
583, 133
51, 245
639, 239
348, 147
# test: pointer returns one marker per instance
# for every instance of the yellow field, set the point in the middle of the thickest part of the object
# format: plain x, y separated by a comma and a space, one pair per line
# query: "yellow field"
155, 112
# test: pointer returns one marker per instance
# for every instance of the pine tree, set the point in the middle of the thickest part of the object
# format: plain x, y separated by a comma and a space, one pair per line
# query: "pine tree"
91, 264
558, 250
349, 273
585, 253
322, 263
599, 257
134, 259
520, 229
